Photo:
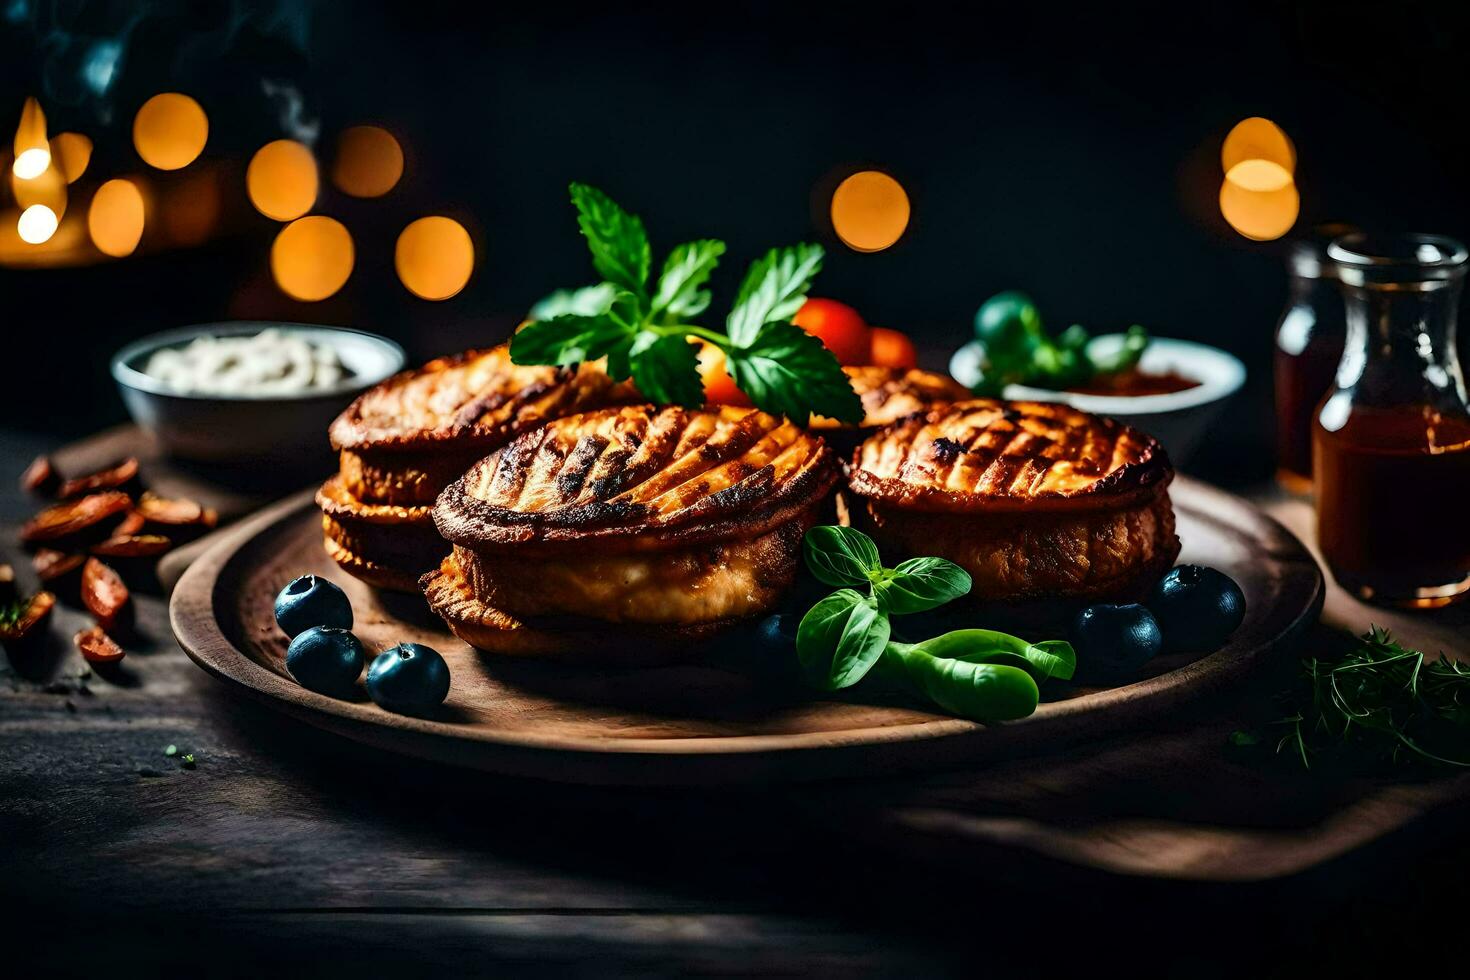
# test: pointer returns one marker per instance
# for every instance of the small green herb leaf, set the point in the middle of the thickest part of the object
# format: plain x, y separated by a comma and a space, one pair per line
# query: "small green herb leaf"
773, 289
921, 584
840, 638
984, 692
666, 369
840, 556
172, 750
679, 295
587, 301
619, 245
570, 339
787, 371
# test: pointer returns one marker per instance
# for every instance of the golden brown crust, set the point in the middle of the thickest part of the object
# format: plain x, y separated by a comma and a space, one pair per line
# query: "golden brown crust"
889, 394
383, 544
987, 455
1079, 554
487, 628
475, 399
638, 478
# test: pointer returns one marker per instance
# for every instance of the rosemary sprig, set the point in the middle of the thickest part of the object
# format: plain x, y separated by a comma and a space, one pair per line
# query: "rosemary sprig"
1384, 703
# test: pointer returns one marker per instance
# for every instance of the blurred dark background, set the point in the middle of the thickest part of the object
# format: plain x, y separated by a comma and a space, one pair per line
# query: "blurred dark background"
1073, 153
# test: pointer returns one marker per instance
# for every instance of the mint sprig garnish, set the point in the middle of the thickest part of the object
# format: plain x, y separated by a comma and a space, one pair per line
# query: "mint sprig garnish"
983, 675
646, 331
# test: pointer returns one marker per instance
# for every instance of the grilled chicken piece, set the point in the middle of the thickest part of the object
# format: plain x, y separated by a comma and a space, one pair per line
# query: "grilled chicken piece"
673, 524
1034, 500
405, 440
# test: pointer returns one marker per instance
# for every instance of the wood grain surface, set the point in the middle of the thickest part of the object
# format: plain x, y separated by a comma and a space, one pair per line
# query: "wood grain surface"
287, 848
717, 718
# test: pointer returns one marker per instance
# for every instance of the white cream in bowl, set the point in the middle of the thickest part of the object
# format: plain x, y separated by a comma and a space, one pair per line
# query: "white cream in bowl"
270, 363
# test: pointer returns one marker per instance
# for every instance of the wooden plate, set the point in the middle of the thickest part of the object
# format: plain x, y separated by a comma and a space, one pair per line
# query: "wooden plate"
704, 722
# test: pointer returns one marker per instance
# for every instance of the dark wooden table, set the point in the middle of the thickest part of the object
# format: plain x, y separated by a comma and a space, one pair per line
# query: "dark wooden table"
287, 850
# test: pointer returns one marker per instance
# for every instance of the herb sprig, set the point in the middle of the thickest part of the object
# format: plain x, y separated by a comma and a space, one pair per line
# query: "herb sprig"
1383, 702
646, 330
983, 675
1018, 349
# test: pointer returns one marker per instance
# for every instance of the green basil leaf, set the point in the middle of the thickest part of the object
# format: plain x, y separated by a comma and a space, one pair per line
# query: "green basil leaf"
666, 369
981, 692
587, 301
679, 295
787, 371
773, 289
840, 556
839, 639
569, 339
1126, 357
619, 245
921, 584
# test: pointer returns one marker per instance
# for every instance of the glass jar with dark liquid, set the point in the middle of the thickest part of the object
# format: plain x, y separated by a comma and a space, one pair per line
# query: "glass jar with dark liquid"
1391, 447
1308, 347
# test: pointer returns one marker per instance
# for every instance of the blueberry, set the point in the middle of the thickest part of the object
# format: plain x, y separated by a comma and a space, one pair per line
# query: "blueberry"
312, 601
409, 679
326, 660
1114, 642
776, 635
1197, 608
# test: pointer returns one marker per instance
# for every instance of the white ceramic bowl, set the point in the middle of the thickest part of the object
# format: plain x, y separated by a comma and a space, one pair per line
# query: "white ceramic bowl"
248, 429
1179, 419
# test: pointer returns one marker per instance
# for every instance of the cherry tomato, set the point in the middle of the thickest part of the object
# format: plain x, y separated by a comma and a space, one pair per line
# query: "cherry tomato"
893, 349
839, 327
719, 387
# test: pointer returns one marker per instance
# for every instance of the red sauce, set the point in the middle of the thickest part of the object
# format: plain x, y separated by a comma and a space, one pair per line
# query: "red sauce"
1391, 514
1134, 384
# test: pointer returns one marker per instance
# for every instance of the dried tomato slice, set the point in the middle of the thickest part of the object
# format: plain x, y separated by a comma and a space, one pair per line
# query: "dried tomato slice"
132, 523
74, 516
97, 647
40, 476
132, 546
52, 565
109, 479
20, 620
103, 593
177, 511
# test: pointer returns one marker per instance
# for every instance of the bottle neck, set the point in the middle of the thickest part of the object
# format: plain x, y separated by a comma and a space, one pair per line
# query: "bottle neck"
1400, 344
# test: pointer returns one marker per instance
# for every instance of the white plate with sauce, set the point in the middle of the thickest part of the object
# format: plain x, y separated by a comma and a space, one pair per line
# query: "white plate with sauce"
263, 423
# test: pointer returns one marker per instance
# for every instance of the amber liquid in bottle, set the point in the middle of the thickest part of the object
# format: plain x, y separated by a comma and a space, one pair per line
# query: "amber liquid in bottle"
1393, 500
1301, 381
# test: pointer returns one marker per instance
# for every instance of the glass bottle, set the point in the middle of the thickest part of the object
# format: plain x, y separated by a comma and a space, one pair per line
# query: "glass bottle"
1391, 447
1309, 340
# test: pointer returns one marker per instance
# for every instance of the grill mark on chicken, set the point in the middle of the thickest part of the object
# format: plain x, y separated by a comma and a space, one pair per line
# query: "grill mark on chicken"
986, 451
639, 467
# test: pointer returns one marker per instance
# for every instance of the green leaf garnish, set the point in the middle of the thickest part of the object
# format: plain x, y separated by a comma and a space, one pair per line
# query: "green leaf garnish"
840, 556
840, 638
686, 270
783, 369
1018, 350
921, 584
984, 675
619, 245
787, 371
773, 289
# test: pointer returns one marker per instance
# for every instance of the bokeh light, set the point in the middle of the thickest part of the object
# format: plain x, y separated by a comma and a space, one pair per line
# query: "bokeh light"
434, 257
115, 220
1257, 138
49, 188
1259, 175
369, 161
170, 131
71, 153
282, 180
32, 151
37, 224
312, 258
869, 211
1260, 215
